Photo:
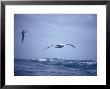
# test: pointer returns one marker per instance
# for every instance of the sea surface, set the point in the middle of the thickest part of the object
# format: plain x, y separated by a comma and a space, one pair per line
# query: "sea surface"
54, 67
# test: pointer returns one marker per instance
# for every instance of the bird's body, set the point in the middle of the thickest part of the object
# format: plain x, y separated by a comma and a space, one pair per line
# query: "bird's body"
59, 46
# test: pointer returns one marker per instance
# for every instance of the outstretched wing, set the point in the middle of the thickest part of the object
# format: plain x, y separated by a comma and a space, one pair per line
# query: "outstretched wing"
70, 45
48, 47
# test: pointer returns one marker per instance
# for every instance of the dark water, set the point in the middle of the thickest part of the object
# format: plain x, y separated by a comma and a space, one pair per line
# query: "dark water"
54, 67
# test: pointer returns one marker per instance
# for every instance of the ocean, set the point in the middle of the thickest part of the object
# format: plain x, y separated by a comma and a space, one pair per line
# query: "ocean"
54, 67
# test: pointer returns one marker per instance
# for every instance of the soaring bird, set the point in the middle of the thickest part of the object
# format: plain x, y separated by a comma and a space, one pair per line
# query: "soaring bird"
59, 46
23, 32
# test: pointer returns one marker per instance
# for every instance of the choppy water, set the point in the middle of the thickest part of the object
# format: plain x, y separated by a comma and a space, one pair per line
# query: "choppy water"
54, 67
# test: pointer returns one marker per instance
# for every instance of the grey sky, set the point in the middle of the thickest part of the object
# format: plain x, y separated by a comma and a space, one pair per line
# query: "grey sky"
46, 29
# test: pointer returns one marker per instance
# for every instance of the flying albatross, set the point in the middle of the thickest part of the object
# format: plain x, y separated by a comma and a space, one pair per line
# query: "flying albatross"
59, 46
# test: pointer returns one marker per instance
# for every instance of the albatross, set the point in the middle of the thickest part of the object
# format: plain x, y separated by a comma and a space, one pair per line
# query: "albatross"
59, 46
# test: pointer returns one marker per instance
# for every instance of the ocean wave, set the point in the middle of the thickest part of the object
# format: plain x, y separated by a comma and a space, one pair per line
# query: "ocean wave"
52, 66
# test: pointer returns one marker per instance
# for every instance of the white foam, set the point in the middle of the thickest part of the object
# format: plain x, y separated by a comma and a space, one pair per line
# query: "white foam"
42, 59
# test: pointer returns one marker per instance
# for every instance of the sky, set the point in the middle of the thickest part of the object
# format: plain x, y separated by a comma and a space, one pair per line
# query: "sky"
44, 30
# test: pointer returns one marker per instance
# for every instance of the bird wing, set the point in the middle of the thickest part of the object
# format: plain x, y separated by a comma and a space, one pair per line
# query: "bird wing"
48, 47
70, 45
